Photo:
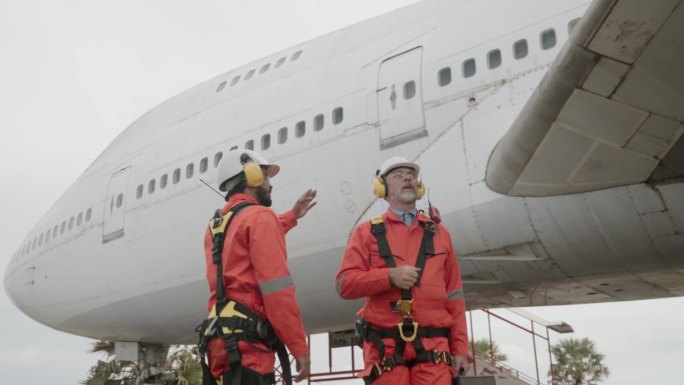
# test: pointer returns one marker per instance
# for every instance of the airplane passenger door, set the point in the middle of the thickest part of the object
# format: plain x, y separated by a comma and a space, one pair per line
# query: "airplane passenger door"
114, 206
400, 99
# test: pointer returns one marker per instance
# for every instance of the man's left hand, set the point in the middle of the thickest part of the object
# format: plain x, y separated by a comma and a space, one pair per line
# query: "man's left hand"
460, 364
304, 203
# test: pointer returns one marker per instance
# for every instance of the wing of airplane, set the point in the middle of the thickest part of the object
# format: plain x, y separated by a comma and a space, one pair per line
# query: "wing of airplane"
609, 111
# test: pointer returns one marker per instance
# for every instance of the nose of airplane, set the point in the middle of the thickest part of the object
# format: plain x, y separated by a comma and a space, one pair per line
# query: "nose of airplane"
8, 281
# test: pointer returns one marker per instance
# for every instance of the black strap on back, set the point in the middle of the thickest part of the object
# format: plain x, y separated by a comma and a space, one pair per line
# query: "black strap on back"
219, 238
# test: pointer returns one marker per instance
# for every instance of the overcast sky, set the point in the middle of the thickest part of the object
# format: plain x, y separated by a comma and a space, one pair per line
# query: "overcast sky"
74, 74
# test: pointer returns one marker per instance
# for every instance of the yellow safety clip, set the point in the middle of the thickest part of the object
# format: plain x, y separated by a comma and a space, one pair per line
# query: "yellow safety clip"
404, 306
410, 338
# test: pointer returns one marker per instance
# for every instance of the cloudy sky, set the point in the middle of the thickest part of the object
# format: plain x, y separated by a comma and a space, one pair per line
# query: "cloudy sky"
74, 74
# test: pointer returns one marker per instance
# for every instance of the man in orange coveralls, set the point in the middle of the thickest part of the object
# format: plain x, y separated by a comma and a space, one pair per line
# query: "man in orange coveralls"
256, 301
413, 322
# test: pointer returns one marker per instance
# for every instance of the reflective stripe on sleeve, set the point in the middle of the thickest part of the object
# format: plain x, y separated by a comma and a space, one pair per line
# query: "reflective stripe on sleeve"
338, 285
456, 294
276, 284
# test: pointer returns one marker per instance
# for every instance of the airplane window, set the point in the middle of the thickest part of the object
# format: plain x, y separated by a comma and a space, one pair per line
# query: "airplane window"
89, 213
282, 135
119, 198
469, 68
300, 129
572, 24
217, 158
233, 148
40, 240
62, 227
235, 80
249, 144
54, 231
494, 59
280, 62
548, 39
338, 115
296, 55
189, 170
409, 89
176, 176
71, 223
139, 192
203, 165
221, 86
318, 122
47, 236
520, 49
249, 74
163, 181
35, 240
79, 219
266, 142
150, 189
444, 76
264, 68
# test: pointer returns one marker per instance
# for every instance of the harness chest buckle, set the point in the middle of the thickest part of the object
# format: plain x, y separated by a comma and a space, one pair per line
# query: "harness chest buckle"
404, 306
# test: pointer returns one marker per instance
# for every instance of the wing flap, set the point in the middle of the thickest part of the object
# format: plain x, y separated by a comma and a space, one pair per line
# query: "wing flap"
609, 110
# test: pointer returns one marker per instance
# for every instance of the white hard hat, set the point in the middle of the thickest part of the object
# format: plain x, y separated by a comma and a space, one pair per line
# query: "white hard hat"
394, 162
232, 164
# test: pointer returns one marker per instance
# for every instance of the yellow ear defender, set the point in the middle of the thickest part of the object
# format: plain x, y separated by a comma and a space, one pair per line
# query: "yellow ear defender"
379, 187
253, 174
380, 190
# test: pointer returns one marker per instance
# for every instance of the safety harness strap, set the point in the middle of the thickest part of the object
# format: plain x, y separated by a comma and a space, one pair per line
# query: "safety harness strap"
242, 324
406, 331
218, 226
427, 247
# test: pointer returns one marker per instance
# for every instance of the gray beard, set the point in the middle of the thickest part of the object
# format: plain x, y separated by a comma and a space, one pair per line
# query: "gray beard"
407, 197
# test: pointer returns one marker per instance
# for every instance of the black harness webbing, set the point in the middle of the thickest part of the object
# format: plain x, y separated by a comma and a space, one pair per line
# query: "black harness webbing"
239, 322
427, 247
406, 331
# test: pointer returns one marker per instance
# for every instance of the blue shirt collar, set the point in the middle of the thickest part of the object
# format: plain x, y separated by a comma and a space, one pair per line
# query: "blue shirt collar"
406, 217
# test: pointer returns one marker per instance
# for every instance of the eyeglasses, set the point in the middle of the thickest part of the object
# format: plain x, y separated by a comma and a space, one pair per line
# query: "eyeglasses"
402, 173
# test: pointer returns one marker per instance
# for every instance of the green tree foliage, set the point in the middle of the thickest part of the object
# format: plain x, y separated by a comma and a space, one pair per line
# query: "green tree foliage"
577, 363
110, 371
484, 349
182, 367
184, 364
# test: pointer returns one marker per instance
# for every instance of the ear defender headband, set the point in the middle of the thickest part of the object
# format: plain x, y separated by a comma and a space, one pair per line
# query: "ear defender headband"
380, 189
254, 176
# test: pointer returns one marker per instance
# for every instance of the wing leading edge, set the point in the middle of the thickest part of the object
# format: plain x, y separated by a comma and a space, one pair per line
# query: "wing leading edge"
608, 113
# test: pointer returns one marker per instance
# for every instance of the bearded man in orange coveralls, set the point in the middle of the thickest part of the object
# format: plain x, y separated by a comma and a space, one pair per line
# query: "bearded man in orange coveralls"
255, 273
413, 322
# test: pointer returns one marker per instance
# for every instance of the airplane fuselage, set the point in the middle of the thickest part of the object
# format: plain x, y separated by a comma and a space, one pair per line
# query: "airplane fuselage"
120, 254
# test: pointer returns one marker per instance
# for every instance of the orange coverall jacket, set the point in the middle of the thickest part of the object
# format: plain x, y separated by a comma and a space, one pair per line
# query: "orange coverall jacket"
255, 274
437, 303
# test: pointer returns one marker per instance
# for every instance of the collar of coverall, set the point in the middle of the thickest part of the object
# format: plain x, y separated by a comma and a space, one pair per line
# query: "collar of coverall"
394, 217
241, 197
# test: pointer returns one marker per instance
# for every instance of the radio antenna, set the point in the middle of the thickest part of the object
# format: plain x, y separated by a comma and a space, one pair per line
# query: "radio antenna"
213, 189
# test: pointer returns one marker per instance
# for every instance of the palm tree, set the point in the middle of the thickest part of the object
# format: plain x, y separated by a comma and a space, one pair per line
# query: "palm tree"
490, 351
110, 371
577, 363
185, 366
182, 367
